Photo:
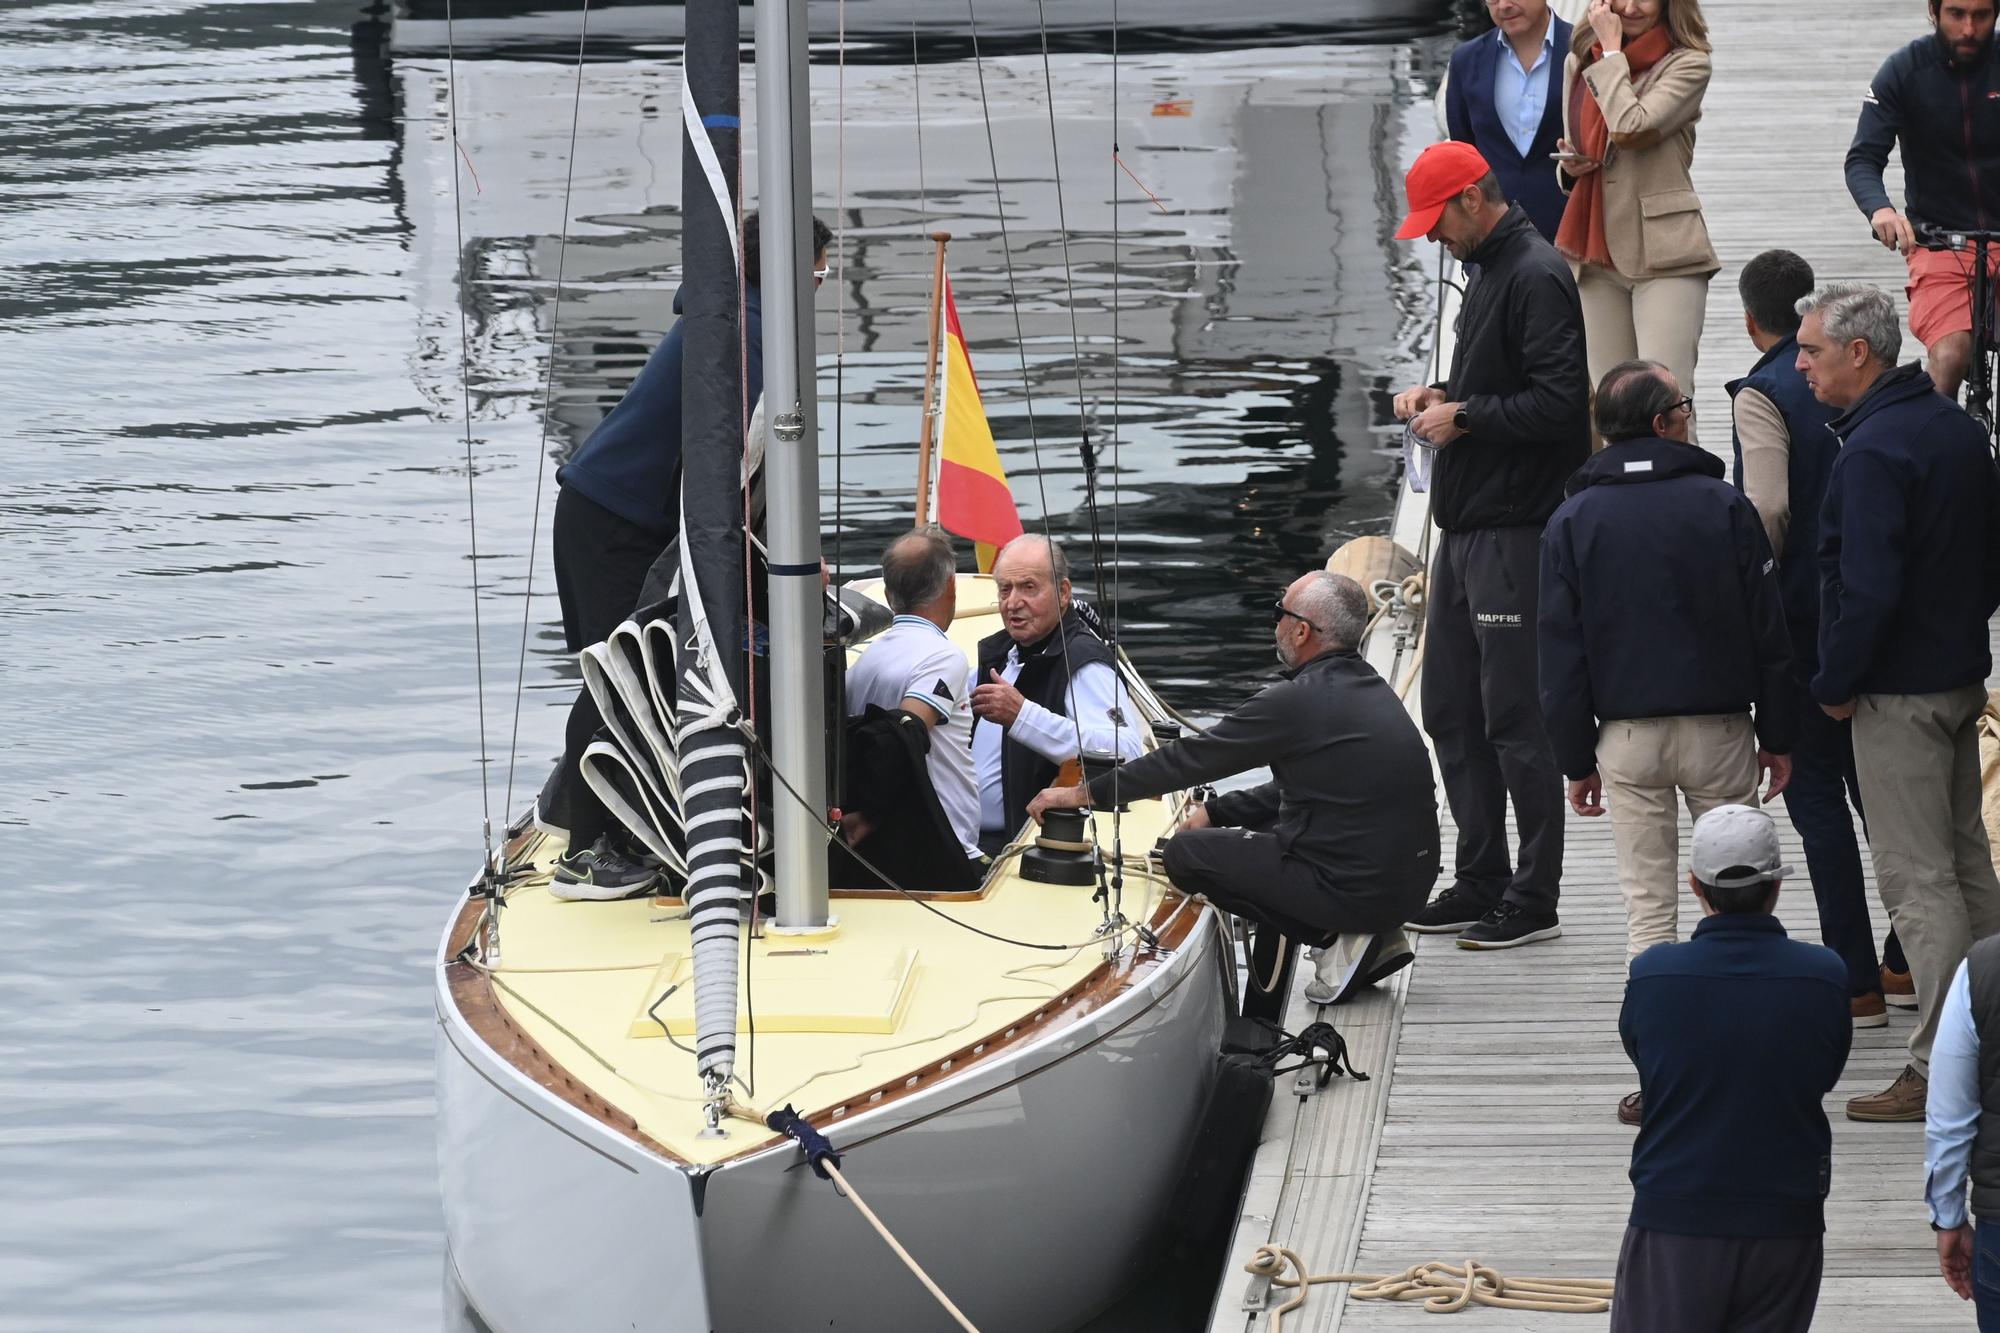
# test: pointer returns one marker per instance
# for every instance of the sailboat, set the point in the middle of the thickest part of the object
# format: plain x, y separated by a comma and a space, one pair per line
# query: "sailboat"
633, 1095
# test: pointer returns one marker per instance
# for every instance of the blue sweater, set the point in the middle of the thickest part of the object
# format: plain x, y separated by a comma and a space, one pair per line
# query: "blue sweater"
1909, 552
1738, 1034
631, 463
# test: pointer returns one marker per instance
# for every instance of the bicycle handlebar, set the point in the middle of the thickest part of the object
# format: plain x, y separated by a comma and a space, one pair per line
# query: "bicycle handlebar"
1933, 237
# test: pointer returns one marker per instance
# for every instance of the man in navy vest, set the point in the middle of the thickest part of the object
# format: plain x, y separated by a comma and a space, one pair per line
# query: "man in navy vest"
1504, 97
1784, 451
1962, 1131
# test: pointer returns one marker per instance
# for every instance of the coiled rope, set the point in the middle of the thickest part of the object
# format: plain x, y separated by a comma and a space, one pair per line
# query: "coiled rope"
1443, 1288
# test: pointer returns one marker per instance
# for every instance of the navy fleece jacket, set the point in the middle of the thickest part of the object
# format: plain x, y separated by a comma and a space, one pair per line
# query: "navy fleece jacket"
1909, 554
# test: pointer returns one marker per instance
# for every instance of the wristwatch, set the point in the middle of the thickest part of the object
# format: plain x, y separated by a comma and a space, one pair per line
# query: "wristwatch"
1463, 421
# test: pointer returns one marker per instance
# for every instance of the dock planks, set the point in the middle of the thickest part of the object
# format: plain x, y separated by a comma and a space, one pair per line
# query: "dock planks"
1489, 1127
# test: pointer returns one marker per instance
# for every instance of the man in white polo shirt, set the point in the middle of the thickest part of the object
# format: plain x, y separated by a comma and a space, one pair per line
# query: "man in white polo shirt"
913, 666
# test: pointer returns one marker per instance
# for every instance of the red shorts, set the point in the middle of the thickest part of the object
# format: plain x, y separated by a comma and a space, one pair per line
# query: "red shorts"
1940, 292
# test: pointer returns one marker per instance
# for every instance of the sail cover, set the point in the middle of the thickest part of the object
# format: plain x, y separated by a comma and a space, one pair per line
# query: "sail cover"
711, 620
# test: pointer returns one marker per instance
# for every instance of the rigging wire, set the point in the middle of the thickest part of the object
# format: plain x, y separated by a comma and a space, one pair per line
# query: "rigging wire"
465, 391
548, 410
1021, 349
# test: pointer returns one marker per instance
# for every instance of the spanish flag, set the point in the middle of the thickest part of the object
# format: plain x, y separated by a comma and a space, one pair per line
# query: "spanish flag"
973, 499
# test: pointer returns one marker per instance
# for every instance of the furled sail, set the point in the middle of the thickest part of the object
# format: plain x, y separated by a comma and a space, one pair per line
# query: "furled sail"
712, 616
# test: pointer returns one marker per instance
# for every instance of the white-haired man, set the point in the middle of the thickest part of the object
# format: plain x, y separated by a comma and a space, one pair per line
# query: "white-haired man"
1041, 685
1909, 574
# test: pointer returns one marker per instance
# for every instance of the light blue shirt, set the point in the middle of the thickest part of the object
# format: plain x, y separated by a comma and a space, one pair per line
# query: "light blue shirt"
1951, 1106
1521, 95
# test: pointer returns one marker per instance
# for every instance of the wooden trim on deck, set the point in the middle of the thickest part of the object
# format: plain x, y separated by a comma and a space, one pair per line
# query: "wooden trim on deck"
473, 992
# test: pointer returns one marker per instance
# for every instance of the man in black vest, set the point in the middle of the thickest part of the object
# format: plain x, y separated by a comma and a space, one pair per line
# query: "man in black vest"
1042, 687
1784, 453
1962, 1131
1342, 844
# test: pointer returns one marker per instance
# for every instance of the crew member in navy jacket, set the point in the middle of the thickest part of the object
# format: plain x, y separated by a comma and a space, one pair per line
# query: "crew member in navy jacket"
1660, 630
1737, 1034
1504, 97
1909, 563
617, 511
1784, 454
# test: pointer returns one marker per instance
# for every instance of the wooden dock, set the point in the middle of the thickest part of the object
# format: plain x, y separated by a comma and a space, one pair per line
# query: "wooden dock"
1489, 1127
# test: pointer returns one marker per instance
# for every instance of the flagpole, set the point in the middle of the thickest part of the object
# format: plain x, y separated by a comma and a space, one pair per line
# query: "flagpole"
927, 433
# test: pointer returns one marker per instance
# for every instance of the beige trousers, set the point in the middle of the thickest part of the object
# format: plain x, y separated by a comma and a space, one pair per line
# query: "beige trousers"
1710, 760
1655, 319
1918, 759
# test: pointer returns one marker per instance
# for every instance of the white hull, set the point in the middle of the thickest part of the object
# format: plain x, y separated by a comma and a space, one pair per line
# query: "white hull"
1028, 1185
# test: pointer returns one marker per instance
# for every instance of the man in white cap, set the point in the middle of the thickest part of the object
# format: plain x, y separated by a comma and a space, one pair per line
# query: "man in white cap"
1738, 1035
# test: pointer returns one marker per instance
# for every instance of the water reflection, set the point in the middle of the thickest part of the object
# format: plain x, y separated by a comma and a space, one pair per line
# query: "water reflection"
239, 644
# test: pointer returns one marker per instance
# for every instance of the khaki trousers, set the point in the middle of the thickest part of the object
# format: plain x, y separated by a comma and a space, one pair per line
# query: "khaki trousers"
1710, 760
1658, 319
1918, 759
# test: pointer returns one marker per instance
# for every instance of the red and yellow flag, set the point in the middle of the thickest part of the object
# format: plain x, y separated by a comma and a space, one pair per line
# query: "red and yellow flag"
973, 499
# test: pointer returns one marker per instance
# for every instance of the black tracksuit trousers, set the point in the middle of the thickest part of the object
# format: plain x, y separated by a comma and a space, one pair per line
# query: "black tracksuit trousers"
1483, 712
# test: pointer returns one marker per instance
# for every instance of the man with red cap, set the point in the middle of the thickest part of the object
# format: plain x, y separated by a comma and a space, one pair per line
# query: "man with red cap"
1509, 426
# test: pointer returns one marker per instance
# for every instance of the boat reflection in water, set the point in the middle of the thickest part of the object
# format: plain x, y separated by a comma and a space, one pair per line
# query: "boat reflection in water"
882, 30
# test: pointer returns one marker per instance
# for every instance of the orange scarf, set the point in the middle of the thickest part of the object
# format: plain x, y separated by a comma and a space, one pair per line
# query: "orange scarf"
1581, 235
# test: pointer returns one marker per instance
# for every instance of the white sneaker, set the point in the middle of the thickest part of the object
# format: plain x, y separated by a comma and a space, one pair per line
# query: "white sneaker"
1353, 962
1336, 967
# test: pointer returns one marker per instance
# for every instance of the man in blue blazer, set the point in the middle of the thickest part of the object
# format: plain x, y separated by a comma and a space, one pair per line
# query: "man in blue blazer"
1504, 97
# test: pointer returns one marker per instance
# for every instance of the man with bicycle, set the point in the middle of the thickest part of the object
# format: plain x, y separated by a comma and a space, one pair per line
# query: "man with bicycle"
1939, 99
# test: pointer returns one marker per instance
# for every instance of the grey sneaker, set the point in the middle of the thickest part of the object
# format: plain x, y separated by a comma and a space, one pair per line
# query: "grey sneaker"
600, 873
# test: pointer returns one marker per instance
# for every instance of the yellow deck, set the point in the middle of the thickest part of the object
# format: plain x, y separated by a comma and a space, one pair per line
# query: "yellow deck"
896, 989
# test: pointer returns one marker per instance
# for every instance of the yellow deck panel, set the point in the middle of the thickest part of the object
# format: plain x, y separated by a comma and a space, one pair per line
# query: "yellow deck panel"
574, 975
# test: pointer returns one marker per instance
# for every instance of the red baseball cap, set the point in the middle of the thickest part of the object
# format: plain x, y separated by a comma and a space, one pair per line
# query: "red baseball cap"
1434, 179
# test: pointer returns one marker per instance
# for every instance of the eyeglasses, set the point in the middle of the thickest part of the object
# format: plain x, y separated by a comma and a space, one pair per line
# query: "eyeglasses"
1679, 404
1279, 611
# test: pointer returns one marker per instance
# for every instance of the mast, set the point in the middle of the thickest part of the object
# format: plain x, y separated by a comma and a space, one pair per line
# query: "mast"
927, 432
791, 464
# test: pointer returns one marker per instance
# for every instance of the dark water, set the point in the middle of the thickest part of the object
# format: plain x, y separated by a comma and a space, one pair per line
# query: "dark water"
240, 778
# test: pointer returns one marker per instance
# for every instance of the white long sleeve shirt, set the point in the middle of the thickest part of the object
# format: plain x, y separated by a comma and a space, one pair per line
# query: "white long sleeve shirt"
1093, 692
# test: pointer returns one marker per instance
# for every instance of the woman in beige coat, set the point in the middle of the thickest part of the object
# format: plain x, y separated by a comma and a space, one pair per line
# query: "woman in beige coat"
1633, 230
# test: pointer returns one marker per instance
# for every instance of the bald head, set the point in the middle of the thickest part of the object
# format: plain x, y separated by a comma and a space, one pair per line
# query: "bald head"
918, 575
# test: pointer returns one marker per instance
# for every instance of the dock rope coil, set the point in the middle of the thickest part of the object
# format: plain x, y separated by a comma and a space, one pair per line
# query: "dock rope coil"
1443, 1288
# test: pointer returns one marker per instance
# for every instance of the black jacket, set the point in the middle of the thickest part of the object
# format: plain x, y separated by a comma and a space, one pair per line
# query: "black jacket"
1909, 555
1519, 369
1738, 1035
1351, 794
1947, 122
1659, 598
1045, 671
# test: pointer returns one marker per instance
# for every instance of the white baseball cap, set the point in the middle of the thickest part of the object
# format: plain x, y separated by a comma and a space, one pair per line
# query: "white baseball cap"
1740, 839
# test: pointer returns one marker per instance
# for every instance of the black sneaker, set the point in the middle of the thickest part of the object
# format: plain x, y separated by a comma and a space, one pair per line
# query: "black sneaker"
1508, 926
1447, 914
600, 873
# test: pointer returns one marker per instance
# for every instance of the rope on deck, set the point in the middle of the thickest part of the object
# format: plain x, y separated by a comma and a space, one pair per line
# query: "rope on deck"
1443, 1288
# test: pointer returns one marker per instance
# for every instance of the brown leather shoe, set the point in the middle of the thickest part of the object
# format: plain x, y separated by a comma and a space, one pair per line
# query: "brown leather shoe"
1898, 989
1631, 1110
1868, 1011
1901, 1100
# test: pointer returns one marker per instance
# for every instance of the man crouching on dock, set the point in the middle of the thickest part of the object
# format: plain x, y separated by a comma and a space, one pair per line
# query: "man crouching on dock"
1339, 849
